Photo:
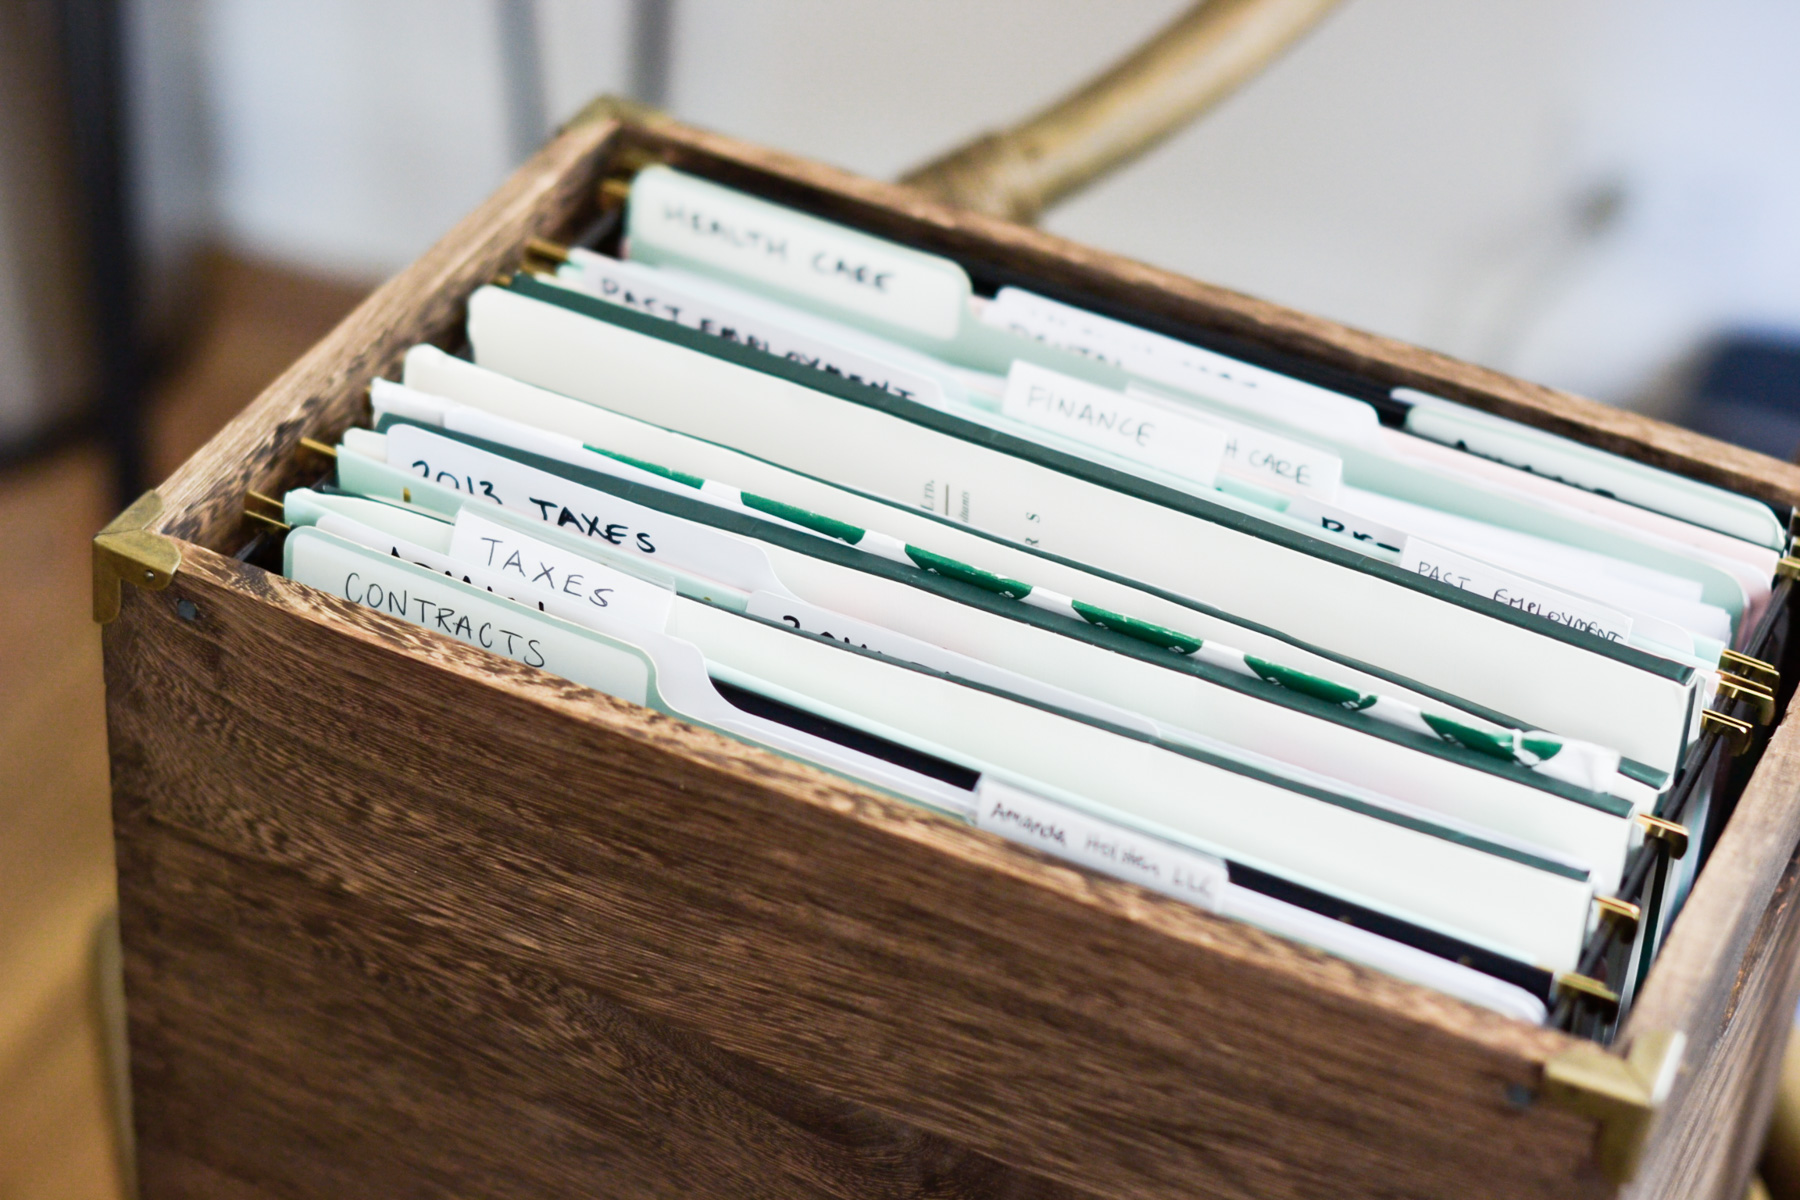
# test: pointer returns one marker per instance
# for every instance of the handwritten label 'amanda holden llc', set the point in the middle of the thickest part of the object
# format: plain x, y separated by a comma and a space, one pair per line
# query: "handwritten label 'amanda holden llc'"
1066, 833
1514, 591
1129, 426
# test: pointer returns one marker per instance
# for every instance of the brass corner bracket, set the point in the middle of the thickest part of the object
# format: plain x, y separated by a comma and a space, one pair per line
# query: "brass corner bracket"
1622, 1092
606, 107
128, 551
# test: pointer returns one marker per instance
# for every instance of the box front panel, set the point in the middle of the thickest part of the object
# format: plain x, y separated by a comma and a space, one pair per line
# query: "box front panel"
415, 879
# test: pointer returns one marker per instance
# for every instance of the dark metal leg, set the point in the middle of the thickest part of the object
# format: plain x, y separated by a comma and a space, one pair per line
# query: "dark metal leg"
94, 58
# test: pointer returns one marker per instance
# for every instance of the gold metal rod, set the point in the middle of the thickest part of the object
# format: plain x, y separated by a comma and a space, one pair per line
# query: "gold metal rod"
271, 522
546, 249
614, 191
1186, 68
318, 447
1568, 981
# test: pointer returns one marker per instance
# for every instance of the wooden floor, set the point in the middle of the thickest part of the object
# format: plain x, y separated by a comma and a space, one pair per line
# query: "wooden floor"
56, 1120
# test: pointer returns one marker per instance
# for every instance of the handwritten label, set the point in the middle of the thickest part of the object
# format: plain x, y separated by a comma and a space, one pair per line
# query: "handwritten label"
1164, 360
1372, 534
537, 566
642, 289
1129, 426
594, 514
508, 586
1066, 833
363, 576
1514, 591
1270, 460
677, 218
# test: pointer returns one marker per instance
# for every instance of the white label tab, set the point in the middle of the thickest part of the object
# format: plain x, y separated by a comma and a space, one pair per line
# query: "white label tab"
368, 578
638, 287
1373, 534
587, 511
1164, 360
1129, 426
1267, 459
1066, 833
1514, 591
675, 217
534, 565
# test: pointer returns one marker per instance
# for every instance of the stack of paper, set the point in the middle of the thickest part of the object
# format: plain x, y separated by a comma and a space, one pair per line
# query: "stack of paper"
1399, 690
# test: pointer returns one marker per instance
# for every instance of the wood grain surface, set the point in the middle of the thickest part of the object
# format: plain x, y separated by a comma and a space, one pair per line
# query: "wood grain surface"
482, 914
1726, 978
1711, 1132
1693, 982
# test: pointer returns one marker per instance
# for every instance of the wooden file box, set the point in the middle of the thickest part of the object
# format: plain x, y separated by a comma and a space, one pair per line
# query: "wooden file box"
402, 918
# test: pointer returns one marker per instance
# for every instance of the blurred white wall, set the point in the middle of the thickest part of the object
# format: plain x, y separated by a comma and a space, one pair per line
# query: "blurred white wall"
1578, 190
349, 134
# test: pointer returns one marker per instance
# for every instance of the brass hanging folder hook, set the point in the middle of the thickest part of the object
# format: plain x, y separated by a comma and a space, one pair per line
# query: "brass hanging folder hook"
1735, 687
1674, 835
1753, 669
1623, 912
1737, 734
